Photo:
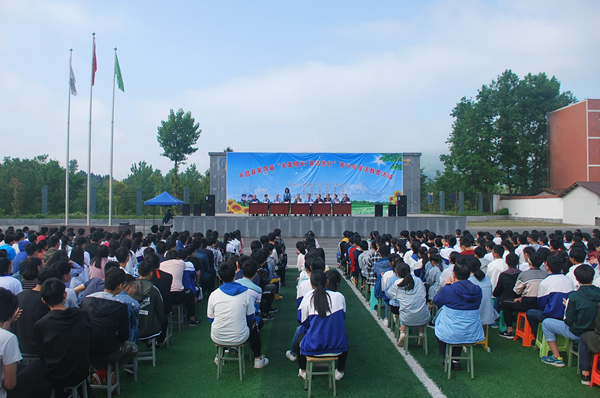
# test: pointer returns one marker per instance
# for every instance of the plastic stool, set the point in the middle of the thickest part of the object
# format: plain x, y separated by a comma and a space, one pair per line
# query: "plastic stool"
109, 387
486, 343
177, 316
73, 390
523, 330
221, 359
415, 336
328, 361
469, 358
595, 374
574, 353
541, 343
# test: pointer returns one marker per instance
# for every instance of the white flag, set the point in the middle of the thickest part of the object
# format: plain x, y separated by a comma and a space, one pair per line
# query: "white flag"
72, 83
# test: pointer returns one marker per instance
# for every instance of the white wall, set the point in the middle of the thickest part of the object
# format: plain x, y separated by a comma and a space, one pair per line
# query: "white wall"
542, 207
581, 207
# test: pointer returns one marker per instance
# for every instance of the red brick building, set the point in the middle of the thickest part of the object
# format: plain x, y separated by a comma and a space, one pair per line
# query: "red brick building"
574, 144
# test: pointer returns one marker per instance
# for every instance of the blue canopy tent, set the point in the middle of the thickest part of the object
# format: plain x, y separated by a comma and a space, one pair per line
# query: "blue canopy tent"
164, 199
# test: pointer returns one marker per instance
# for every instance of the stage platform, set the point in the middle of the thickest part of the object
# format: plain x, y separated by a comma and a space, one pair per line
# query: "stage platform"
324, 227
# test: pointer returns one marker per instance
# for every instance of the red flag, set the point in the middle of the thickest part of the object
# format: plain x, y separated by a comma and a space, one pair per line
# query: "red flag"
94, 64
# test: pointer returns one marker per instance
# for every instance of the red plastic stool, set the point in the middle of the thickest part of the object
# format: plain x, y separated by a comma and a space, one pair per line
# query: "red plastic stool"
595, 374
524, 330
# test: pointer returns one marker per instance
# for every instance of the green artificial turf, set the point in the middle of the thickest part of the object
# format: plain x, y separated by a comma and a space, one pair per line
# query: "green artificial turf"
374, 368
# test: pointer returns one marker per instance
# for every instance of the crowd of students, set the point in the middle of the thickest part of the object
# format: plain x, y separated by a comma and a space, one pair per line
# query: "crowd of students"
71, 302
483, 280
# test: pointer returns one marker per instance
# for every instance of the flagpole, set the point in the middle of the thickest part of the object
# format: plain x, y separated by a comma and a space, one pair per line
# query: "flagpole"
90, 132
68, 137
112, 134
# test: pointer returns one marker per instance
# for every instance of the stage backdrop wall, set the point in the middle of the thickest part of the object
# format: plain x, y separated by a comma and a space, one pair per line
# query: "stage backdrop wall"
367, 178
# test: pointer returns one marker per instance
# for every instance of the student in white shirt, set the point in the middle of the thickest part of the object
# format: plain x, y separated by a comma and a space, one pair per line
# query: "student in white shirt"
496, 267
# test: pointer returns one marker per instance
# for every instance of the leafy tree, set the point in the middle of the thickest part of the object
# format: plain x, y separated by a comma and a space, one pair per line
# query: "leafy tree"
177, 136
499, 139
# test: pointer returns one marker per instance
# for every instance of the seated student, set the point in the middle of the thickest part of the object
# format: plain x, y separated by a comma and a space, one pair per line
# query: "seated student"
380, 268
16, 379
524, 266
551, 294
335, 198
30, 273
322, 314
230, 311
433, 281
133, 306
6, 279
487, 312
363, 258
32, 251
577, 257
152, 319
458, 320
21, 255
110, 325
268, 289
64, 338
33, 309
94, 285
65, 276
507, 280
527, 287
267, 200
179, 294
249, 270
312, 264
580, 316
410, 295
496, 267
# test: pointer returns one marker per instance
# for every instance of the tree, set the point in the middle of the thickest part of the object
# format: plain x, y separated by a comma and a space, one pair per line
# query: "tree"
177, 136
499, 139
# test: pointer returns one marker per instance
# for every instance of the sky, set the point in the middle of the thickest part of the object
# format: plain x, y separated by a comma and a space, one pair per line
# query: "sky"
273, 76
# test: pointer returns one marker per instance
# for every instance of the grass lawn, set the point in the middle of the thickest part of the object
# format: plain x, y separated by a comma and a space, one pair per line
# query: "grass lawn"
375, 368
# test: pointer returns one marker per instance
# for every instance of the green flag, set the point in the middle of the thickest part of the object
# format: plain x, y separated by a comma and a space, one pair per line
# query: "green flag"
118, 73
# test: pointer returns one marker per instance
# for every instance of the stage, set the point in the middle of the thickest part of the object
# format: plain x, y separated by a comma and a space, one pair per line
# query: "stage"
323, 226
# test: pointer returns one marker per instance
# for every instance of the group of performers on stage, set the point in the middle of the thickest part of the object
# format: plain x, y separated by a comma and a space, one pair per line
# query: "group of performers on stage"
287, 198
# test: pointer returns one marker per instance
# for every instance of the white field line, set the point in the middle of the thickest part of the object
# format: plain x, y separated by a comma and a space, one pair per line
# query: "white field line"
429, 384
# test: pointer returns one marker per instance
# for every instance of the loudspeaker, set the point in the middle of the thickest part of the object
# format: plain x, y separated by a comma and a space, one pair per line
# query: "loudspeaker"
197, 209
210, 205
378, 210
402, 206
185, 209
391, 210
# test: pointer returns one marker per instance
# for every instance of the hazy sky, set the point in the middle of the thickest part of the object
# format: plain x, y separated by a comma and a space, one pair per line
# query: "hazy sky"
278, 76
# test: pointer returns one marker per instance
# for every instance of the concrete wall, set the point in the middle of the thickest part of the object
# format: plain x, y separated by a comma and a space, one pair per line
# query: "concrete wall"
325, 227
411, 180
581, 207
534, 207
218, 180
